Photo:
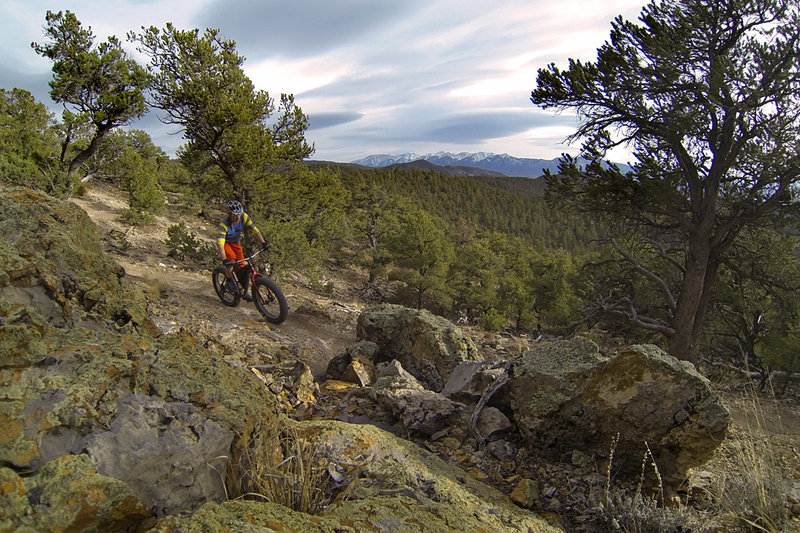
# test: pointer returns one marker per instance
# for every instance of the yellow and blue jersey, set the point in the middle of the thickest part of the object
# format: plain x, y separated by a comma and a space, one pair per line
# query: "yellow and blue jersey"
232, 233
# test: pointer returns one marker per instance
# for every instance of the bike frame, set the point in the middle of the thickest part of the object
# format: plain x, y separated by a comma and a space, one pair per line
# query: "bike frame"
248, 261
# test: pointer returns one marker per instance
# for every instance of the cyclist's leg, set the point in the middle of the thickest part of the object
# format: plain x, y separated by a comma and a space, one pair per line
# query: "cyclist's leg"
232, 252
244, 279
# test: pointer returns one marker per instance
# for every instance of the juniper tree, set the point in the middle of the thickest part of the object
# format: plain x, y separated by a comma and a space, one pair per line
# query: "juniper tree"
98, 85
707, 94
199, 84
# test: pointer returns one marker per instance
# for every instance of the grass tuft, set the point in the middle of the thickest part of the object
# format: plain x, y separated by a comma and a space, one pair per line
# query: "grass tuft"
279, 467
636, 512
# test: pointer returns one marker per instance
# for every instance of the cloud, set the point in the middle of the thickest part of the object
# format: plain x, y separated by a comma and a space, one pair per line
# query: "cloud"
300, 28
471, 128
374, 76
319, 121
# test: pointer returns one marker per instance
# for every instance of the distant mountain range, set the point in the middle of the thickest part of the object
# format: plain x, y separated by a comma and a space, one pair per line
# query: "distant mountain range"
496, 163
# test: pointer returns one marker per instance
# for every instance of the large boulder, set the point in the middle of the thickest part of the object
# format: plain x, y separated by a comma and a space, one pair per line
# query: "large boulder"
428, 347
84, 372
568, 397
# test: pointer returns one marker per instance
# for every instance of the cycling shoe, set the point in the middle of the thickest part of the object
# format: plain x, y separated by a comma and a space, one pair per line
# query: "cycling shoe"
230, 286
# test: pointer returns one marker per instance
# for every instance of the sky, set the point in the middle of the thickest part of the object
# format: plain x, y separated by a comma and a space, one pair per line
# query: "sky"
374, 76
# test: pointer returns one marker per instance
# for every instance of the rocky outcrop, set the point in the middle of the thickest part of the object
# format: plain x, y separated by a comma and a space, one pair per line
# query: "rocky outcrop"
391, 485
568, 397
428, 347
563, 400
85, 373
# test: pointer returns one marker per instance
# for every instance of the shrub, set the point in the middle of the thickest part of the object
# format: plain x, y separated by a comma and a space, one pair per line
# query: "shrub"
492, 320
137, 217
183, 244
635, 512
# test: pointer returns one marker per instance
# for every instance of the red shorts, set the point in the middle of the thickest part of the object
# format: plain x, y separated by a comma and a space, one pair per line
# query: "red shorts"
234, 251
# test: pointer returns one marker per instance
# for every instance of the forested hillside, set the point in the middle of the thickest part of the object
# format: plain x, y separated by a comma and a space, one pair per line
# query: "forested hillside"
513, 206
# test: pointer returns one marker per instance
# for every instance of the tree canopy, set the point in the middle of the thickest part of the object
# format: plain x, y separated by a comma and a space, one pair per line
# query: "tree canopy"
707, 95
27, 142
99, 85
199, 84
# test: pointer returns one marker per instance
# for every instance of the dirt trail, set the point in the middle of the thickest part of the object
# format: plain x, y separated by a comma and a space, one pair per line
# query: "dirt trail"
180, 293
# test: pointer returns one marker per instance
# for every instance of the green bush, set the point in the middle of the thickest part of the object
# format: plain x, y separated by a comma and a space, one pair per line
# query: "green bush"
492, 320
183, 244
137, 217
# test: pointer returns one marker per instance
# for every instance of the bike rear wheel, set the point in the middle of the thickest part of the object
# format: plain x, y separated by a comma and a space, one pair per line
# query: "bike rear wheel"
269, 300
231, 299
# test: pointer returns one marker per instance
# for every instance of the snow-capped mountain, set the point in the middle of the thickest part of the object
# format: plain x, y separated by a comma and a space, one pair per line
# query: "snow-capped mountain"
503, 163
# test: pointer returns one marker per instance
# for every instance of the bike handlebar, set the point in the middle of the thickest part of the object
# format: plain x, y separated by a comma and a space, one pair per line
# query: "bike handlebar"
233, 262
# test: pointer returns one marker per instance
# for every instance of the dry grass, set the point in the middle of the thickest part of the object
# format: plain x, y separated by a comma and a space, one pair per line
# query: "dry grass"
752, 486
636, 512
279, 467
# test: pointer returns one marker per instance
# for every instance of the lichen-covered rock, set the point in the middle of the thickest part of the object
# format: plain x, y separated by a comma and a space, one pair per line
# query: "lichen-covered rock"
84, 370
51, 261
393, 485
567, 397
429, 347
68, 494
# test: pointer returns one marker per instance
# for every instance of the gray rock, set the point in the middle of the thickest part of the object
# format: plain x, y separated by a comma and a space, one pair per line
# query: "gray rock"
566, 397
429, 347
491, 420
418, 409
167, 453
339, 364
470, 379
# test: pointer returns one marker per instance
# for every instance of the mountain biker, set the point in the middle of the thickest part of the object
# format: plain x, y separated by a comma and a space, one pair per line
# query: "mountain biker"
229, 235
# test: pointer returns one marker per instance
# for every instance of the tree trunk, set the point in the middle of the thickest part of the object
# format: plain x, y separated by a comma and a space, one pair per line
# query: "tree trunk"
85, 154
695, 290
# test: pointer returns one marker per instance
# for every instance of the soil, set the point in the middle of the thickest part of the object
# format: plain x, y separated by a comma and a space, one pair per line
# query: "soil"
322, 323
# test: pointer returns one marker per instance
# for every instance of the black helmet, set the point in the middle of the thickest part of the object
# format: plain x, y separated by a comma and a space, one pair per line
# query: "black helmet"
235, 207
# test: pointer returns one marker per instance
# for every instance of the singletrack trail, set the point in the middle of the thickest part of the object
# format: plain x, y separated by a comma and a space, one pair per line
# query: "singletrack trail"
181, 296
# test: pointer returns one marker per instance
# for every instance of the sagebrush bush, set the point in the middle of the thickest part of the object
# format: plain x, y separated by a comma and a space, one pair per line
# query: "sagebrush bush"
636, 512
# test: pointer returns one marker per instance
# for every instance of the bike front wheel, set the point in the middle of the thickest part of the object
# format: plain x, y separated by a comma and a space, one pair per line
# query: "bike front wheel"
269, 300
231, 299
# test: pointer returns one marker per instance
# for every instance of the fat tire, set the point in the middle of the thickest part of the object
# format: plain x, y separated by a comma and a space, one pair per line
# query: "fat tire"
228, 298
269, 300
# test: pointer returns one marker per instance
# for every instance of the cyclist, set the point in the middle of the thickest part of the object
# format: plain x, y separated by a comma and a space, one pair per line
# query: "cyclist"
229, 235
